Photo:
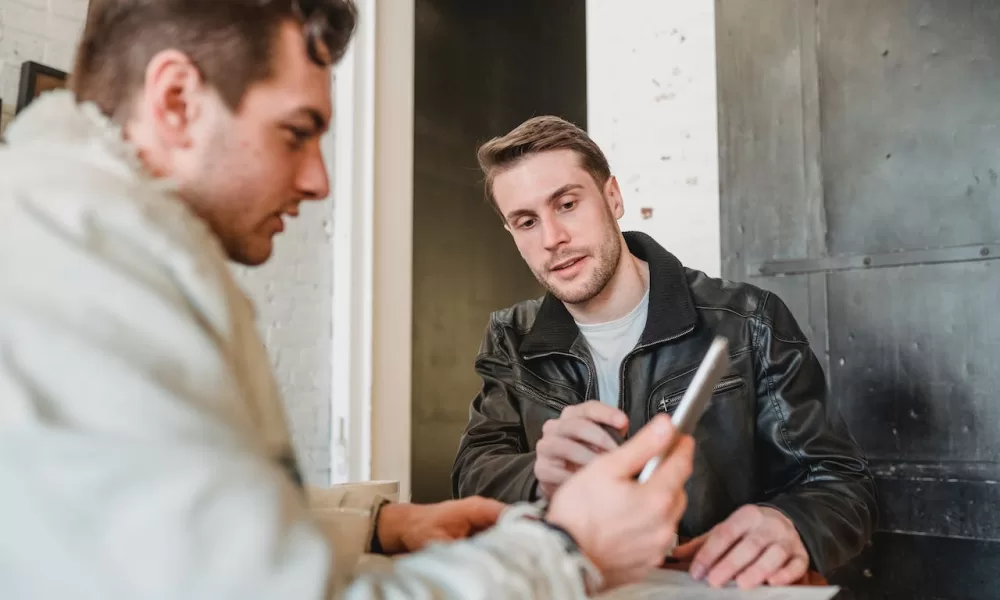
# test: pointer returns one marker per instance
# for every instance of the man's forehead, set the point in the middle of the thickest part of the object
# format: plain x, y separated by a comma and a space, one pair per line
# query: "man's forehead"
535, 178
297, 85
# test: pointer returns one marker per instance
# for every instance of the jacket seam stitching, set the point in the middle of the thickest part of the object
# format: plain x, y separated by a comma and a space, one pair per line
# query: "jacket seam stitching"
765, 364
723, 309
497, 329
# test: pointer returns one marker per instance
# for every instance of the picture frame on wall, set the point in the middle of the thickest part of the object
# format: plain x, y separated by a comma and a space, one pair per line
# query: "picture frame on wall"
37, 79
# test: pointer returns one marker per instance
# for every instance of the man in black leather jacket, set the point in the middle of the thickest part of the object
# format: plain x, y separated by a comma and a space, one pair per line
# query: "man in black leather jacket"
779, 485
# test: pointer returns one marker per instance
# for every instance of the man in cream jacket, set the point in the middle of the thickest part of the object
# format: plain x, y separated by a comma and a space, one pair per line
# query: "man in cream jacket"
143, 449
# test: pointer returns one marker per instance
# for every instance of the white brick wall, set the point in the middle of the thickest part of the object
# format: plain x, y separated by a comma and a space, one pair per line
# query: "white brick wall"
651, 96
44, 31
292, 293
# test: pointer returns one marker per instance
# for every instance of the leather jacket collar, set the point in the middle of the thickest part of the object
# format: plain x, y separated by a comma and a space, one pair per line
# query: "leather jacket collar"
671, 308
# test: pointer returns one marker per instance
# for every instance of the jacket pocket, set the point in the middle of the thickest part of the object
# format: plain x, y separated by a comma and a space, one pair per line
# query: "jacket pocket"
538, 397
667, 404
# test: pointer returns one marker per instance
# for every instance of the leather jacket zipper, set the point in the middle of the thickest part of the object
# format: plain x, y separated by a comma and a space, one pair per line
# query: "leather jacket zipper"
727, 384
637, 349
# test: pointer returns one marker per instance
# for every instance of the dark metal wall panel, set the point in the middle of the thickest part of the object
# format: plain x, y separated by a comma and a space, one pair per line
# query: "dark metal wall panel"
908, 567
859, 147
940, 505
910, 113
914, 357
761, 136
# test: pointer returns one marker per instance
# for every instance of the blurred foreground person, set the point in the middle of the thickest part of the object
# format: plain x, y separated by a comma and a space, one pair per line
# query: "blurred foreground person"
143, 449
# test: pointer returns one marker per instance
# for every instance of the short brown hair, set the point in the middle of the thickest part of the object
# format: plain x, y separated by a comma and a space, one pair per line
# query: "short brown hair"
230, 41
540, 134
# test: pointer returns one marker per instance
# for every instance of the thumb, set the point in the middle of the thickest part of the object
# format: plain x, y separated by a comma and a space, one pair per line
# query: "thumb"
652, 440
687, 550
482, 513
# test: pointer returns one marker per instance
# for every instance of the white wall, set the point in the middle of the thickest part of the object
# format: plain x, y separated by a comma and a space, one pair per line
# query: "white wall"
292, 292
651, 94
44, 31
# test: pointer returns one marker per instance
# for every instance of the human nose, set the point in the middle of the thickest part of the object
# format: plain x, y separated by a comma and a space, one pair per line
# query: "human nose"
554, 234
313, 181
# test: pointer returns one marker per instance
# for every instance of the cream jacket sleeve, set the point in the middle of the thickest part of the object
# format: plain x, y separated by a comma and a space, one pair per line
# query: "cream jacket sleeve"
143, 450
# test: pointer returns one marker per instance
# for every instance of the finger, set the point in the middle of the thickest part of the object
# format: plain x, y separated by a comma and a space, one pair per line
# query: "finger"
588, 432
673, 472
721, 538
552, 472
650, 441
687, 550
598, 412
766, 565
569, 450
677, 507
741, 556
482, 513
794, 570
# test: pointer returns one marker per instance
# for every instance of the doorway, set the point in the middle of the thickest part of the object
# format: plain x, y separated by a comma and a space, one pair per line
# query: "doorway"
480, 69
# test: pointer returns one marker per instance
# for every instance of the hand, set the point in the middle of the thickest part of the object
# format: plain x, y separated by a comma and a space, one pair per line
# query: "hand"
624, 527
756, 544
411, 527
574, 440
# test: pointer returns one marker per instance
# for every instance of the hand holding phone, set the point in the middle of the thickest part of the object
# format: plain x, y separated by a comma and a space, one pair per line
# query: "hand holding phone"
695, 400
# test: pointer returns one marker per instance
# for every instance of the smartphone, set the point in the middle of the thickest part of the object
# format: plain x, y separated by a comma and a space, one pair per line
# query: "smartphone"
713, 367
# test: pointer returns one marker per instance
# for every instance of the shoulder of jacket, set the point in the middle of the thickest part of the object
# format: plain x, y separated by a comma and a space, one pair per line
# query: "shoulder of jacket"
715, 293
517, 319
507, 327
131, 223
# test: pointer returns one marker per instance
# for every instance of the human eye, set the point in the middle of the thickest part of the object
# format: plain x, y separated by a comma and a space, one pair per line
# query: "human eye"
297, 137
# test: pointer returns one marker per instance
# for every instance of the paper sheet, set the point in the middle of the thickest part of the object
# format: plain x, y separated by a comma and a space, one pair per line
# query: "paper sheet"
679, 585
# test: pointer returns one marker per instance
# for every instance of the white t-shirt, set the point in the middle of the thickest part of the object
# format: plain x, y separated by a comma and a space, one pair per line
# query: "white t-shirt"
609, 343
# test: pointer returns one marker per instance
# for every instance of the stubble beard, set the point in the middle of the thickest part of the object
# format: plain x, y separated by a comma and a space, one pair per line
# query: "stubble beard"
608, 255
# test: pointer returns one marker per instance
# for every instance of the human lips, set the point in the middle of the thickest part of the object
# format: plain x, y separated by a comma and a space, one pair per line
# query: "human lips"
279, 217
569, 262
568, 267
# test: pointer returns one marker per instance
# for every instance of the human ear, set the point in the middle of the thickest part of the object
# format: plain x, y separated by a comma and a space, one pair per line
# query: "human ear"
613, 196
173, 94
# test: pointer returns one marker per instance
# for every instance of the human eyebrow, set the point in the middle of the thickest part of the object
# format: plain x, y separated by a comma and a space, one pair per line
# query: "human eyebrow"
559, 193
318, 122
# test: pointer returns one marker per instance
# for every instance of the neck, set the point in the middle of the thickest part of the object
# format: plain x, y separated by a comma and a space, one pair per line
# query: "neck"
622, 293
141, 139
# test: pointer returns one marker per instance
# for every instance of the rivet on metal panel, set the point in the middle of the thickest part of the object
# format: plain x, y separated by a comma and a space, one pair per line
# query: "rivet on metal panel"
866, 261
984, 252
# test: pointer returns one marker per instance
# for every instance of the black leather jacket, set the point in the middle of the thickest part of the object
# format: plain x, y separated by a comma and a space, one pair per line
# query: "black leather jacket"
768, 436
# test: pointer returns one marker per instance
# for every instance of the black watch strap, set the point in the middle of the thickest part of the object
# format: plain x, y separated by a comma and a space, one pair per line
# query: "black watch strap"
570, 542
376, 543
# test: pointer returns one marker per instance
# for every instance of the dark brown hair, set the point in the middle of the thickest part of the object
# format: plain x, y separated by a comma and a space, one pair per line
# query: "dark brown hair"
540, 134
231, 42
